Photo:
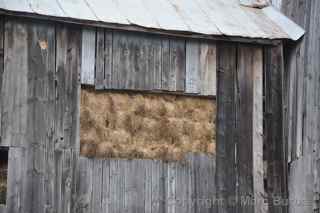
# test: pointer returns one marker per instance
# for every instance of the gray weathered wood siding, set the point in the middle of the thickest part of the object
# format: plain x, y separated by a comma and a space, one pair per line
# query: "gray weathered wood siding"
39, 114
137, 61
146, 185
275, 145
44, 66
239, 175
302, 101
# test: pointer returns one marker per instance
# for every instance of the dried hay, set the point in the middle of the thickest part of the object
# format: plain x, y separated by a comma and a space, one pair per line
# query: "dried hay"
152, 126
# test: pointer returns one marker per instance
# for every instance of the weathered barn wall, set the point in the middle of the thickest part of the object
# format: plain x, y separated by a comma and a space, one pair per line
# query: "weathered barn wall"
40, 97
39, 114
302, 101
141, 125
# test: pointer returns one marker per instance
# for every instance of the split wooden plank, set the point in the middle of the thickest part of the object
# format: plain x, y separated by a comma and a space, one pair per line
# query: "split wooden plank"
208, 69
177, 65
15, 84
67, 81
88, 51
201, 66
68, 62
193, 67
100, 59
84, 186
226, 173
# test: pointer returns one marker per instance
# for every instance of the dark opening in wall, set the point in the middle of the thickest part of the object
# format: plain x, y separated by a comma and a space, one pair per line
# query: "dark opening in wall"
3, 174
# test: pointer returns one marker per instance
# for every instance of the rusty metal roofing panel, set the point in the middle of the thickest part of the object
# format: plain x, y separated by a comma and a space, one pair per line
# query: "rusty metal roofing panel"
205, 17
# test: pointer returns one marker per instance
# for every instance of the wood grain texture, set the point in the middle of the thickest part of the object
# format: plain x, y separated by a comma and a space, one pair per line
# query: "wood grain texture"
226, 174
274, 141
302, 100
177, 65
14, 95
88, 55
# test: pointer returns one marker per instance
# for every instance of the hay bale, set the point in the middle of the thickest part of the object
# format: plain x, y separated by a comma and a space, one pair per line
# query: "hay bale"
152, 126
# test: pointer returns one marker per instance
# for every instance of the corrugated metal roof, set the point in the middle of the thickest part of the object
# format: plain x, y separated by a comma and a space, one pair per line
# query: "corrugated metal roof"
207, 17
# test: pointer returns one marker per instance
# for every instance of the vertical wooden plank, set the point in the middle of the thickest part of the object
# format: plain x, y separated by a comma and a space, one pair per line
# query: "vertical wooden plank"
192, 196
134, 186
100, 59
88, 51
157, 187
85, 186
148, 192
155, 63
68, 66
117, 186
15, 85
16, 171
104, 59
208, 69
177, 65
97, 182
121, 70
226, 174
193, 68
275, 145
2, 33
41, 94
108, 59
106, 186
181, 189
257, 131
165, 64
170, 187
244, 127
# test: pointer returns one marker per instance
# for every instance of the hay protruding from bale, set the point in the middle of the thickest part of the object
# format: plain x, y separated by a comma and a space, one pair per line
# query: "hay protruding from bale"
150, 126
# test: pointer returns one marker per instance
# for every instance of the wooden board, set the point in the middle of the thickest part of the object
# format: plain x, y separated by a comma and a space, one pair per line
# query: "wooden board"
88, 55
226, 174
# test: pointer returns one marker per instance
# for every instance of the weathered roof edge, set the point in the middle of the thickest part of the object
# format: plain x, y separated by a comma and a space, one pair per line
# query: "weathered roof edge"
294, 31
280, 26
141, 29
